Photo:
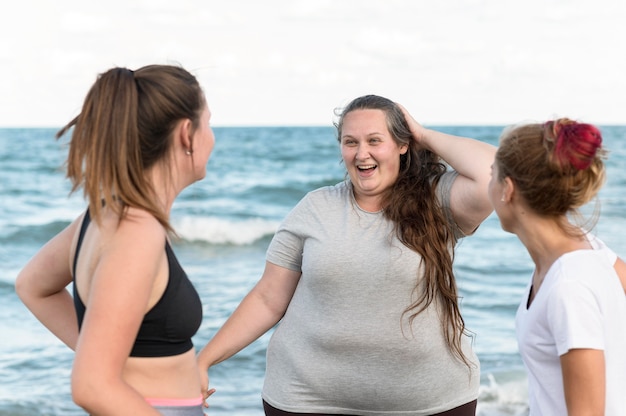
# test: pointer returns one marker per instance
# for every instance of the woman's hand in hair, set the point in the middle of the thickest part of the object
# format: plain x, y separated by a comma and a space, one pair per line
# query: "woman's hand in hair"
417, 130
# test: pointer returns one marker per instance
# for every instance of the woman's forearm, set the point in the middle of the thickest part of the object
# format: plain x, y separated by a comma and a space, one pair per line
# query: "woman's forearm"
248, 322
469, 157
42, 286
56, 312
257, 313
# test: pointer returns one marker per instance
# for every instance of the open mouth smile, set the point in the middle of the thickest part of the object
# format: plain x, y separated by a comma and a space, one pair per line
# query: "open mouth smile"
365, 168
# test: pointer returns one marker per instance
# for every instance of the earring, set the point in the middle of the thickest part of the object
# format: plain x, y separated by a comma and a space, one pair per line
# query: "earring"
502, 199
188, 152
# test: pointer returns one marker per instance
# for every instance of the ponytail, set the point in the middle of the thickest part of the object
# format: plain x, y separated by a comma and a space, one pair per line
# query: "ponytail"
124, 128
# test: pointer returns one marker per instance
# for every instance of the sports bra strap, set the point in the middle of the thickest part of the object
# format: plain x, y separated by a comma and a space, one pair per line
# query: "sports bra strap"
83, 229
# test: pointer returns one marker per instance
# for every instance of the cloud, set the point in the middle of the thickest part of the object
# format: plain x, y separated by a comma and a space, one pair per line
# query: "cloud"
291, 62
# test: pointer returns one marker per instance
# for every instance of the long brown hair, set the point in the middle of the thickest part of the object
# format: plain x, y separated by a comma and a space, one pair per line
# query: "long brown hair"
124, 128
420, 221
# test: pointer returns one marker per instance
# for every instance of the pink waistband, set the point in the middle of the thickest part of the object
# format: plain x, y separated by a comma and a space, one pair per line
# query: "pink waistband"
174, 402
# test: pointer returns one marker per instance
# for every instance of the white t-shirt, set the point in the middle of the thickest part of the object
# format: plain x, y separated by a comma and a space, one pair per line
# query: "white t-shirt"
580, 304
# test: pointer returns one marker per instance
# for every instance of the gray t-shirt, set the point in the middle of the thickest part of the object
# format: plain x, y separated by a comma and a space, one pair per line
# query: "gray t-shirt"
344, 344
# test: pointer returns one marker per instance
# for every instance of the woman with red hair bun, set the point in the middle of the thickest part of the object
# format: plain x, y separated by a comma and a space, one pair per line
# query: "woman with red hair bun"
571, 322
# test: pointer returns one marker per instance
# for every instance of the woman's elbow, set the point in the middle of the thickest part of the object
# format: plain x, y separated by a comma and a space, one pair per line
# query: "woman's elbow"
86, 389
23, 288
83, 390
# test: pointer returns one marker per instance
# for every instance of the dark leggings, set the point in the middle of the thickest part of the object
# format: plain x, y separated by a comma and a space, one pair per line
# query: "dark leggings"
467, 409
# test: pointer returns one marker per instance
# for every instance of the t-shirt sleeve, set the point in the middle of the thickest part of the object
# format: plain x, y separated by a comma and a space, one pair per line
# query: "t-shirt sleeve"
285, 249
598, 244
575, 317
443, 195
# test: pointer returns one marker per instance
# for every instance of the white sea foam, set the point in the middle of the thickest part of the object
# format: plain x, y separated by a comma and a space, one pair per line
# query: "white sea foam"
215, 230
505, 398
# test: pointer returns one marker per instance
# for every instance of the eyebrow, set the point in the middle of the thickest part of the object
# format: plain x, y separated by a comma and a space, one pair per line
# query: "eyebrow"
367, 135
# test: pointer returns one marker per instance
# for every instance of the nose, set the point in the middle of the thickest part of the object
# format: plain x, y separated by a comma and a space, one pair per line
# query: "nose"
362, 152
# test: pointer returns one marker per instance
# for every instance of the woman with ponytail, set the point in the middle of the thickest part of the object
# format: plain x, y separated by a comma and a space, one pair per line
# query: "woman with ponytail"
571, 322
141, 138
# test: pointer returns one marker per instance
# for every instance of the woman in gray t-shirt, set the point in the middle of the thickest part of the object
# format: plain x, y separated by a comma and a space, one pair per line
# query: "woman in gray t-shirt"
360, 276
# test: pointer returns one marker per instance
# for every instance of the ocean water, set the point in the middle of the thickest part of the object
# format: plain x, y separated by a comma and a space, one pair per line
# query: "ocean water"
255, 176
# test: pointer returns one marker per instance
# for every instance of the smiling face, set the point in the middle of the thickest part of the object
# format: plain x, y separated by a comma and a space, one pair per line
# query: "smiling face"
371, 156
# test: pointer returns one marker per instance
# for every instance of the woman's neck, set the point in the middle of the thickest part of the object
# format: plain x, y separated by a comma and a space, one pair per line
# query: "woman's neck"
547, 240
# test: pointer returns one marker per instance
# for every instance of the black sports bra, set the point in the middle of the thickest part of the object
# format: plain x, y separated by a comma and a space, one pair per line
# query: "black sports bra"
167, 328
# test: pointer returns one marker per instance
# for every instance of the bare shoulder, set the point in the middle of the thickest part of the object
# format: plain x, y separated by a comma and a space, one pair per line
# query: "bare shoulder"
138, 232
130, 255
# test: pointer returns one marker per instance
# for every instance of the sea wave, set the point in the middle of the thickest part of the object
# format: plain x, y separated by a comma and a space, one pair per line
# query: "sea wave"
208, 229
37, 234
214, 230
507, 397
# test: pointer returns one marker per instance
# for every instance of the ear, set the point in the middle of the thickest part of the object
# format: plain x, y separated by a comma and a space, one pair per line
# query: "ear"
404, 148
183, 134
508, 190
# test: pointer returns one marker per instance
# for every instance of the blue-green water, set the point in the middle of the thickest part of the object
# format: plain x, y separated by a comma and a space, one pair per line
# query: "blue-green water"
255, 176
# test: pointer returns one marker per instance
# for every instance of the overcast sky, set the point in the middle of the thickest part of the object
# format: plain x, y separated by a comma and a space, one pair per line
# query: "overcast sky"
291, 62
